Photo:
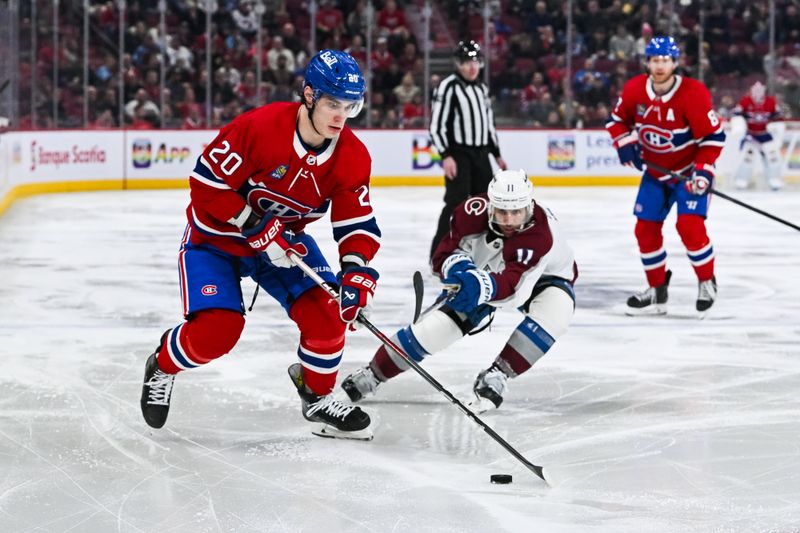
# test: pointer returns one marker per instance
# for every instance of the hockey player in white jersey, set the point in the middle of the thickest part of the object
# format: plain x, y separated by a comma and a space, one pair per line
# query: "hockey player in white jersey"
504, 250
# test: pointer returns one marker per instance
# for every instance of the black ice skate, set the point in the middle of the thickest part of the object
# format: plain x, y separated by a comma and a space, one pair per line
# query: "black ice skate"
706, 294
363, 382
651, 301
340, 419
156, 391
489, 387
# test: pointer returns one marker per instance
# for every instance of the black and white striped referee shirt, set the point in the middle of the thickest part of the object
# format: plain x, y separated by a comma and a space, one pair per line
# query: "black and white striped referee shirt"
462, 116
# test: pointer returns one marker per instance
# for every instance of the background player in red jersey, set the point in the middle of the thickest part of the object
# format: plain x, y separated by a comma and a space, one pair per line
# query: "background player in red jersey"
503, 250
667, 119
253, 190
758, 110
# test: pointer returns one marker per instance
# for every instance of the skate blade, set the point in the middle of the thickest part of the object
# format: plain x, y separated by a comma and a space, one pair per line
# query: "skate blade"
651, 310
480, 405
330, 432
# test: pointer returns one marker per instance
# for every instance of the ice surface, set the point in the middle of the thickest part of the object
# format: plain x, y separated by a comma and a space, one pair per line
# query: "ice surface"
643, 424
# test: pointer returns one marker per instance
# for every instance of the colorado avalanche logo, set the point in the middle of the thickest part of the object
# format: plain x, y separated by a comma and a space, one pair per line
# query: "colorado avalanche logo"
476, 206
656, 139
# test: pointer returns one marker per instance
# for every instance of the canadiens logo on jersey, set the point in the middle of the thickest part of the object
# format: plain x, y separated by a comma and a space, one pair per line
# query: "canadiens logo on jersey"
279, 172
657, 139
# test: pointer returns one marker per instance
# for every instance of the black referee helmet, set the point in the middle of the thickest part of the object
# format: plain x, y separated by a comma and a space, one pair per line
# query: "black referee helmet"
468, 51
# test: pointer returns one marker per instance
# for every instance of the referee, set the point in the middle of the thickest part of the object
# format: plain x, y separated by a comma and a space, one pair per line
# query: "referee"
463, 132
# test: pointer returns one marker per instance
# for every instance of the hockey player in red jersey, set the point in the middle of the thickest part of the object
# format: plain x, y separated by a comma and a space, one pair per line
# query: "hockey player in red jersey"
256, 186
667, 119
504, 250
758, 110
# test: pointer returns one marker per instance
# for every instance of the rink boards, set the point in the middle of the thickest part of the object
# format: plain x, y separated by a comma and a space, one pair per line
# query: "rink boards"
79, 160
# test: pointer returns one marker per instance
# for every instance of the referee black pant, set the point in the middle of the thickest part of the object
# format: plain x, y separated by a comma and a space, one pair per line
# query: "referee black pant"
473, 174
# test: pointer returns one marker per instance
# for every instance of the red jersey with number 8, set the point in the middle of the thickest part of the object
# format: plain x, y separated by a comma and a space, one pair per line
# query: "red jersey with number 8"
675, 130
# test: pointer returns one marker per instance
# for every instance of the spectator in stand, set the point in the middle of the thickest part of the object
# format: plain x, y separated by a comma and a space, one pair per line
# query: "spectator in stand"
622, 46
179, 56
245, 18
789, 24
194, 120
406, 91
142, 105
646, 34
540, 17
104, 120
541, 109
277, 50
409, 57
281, 75
414, 112
392, 24
382, 59
532, 93
357, 50
291, 40
390, 120
143, 118
246, 90
330, 22
357, 20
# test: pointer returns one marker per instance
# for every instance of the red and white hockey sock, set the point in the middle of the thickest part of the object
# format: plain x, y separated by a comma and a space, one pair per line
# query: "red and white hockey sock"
652, 251
206, 336
692, 229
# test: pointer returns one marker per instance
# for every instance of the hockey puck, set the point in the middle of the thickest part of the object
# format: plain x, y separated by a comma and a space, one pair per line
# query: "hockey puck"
501, 479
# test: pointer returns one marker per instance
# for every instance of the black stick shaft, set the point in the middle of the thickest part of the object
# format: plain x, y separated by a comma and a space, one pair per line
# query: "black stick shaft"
715, 192
298, 261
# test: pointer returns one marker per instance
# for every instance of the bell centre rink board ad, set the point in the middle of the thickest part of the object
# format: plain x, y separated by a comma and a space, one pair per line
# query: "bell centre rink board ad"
58, 161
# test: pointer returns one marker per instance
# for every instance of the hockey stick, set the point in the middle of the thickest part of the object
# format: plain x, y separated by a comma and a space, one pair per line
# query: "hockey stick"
723, 195
419, 294
298, 261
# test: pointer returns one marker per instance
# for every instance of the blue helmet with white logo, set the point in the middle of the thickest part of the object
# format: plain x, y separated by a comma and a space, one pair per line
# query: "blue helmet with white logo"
662, 46
336, 74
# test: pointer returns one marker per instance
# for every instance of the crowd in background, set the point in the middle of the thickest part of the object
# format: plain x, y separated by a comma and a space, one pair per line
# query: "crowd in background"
527, 56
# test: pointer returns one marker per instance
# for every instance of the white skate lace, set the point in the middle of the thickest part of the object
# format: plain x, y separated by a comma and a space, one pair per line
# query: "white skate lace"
495, 379
365, 380
331, 406
647, 294
160, 388
707, 291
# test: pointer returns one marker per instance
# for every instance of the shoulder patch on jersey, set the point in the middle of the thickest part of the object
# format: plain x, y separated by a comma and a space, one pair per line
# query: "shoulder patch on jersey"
640, 109
279, 172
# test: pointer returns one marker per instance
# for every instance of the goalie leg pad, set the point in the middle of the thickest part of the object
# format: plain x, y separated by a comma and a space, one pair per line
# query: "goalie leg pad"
692, 230
651, 249
745, 171
547, 318
321, 339
772, 165
434, 332
205, 336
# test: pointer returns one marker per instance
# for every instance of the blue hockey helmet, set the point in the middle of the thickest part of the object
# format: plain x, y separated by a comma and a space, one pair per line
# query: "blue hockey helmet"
662, 46
336, 74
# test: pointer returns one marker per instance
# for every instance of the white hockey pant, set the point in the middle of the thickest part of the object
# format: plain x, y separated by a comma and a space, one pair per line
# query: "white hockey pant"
547, 318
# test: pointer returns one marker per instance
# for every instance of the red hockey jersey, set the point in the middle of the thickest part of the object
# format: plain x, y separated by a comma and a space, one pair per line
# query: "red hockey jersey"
675, 130
259, 160
757, 115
